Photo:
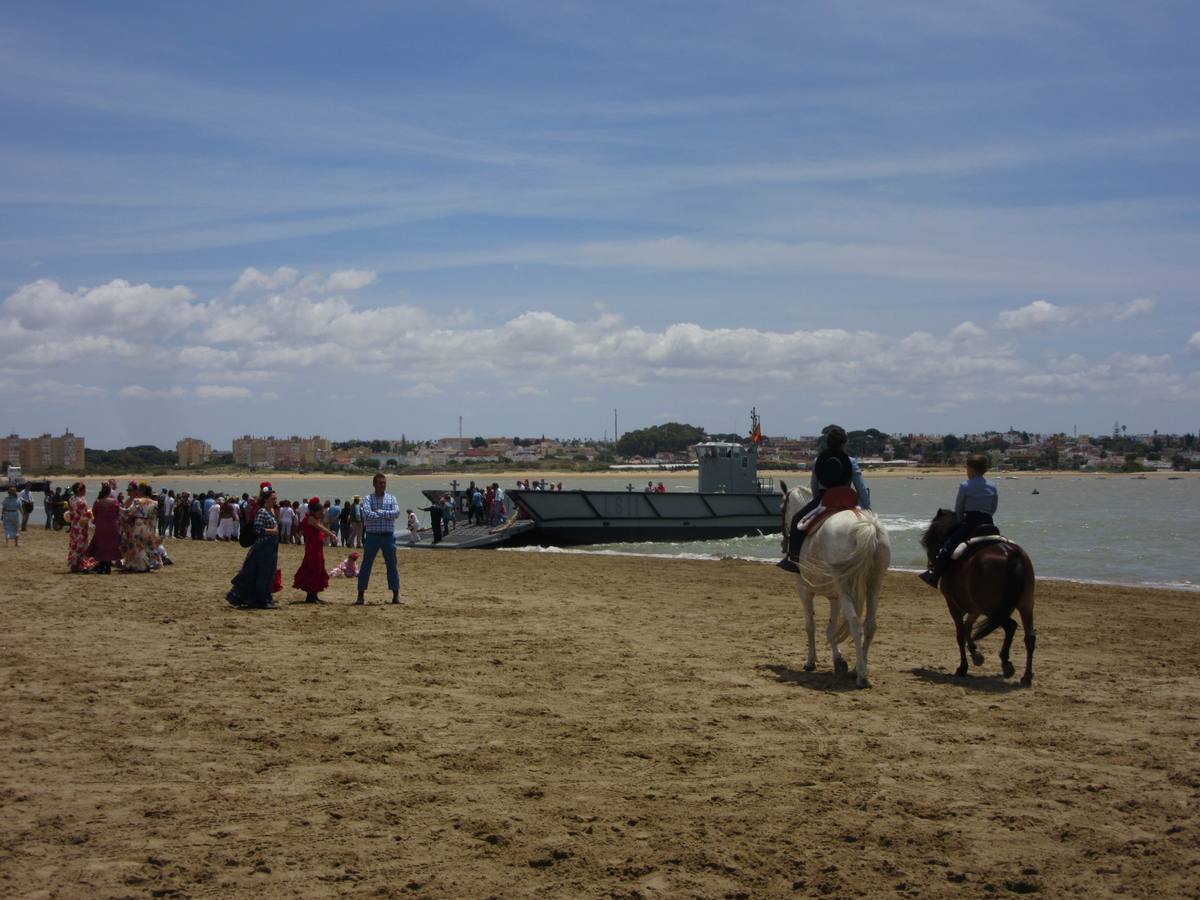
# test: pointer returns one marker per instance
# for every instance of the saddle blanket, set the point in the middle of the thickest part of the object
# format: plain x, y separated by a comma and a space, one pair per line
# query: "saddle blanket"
836, 499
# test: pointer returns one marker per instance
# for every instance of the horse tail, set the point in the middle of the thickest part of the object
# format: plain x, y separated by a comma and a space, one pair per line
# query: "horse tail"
1015, 577
862, 572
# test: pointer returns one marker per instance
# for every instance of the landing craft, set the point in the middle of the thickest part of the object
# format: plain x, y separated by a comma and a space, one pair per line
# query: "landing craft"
731, 501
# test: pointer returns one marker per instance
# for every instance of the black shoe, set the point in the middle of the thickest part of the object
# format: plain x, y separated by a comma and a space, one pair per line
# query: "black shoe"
360, 601
929, 578
788, 566
270, 604
395, 596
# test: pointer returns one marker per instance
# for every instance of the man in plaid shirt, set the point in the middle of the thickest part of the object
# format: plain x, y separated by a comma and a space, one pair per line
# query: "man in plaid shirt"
380, 511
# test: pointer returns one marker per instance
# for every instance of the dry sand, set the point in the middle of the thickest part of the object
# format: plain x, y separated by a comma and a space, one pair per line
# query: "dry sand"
570, 726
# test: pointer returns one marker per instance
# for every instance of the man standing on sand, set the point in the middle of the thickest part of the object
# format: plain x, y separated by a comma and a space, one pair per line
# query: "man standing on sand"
380, 511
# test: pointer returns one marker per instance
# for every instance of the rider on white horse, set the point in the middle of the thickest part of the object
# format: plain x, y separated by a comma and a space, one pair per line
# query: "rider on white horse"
833, 468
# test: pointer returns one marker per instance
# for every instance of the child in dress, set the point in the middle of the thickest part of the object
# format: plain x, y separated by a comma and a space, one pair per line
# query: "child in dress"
414, 527
347, 568
311, 576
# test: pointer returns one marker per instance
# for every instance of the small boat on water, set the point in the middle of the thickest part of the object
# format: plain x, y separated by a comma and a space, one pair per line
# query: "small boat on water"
731, 501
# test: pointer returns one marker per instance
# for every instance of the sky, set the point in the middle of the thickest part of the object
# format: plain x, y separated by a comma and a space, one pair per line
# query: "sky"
369, 219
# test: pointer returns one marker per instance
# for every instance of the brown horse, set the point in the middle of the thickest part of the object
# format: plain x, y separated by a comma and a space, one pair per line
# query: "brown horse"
992, 582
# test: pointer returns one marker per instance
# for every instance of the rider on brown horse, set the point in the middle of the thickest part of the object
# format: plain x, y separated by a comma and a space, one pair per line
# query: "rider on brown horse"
975, 506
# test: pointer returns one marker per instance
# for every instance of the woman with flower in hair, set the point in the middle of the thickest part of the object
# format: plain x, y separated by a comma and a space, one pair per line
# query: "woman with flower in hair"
80, 517
252, 585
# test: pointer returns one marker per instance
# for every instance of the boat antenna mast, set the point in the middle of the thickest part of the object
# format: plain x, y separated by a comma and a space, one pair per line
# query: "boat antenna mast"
756, 436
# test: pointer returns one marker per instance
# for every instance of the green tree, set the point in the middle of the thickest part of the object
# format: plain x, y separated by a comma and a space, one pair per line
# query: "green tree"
478, 442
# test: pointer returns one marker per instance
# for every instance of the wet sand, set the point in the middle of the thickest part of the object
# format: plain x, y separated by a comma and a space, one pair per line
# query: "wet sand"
569, 726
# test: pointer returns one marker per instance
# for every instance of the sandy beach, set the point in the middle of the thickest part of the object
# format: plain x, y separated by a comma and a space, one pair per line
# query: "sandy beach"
536, 724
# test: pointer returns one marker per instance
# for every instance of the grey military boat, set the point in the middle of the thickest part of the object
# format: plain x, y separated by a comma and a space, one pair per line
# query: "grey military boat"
731, 501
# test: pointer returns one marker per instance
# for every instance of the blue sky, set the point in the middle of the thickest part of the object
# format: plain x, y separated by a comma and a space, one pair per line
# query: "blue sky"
369, 219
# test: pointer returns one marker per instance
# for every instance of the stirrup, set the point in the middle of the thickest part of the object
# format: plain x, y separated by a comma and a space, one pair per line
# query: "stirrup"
930, 578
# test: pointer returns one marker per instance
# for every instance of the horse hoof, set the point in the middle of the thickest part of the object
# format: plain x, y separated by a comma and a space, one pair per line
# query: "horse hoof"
1009, 668
960, 672
1027, 681
977, 658
863, 682
809, 667
840, 667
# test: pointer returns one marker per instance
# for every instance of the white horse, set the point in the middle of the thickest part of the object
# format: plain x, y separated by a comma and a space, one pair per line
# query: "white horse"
845, 561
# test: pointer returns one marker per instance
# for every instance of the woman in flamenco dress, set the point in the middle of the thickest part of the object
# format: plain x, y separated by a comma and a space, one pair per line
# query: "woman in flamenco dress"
80, 517
311, 577
105, 547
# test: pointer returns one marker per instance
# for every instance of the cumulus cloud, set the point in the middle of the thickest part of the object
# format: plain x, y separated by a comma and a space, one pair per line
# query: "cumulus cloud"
1193, 343
350, 280
1043, 313
252, 279
1037, 314
301, 333
44, 305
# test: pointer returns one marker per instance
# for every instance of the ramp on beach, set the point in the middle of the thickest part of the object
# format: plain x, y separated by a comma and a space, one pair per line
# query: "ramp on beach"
475, 537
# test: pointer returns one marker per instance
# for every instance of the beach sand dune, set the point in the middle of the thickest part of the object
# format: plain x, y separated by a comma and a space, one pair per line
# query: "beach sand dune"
557, 725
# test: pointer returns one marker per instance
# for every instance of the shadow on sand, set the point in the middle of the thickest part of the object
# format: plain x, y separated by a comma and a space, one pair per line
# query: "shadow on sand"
819, 680
988, 684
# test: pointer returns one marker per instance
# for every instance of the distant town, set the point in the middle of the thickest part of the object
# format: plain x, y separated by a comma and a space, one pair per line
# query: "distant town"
669, 444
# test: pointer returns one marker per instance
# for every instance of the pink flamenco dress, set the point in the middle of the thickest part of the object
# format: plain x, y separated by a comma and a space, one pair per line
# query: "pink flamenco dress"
311, 577
77, 557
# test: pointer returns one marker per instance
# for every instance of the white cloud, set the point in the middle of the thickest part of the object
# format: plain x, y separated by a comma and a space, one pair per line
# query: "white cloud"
419, 391
1193, 343
967, 331
529, 390
222, 392
1037, 314
44, 306
1139, 307
139, 392
252, 279
350, 280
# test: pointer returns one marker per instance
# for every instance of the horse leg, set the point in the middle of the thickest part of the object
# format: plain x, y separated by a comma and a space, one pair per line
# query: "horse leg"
1026, 611
961, 634
831, 630
856, 634
810, 627
976, 656
1010, 628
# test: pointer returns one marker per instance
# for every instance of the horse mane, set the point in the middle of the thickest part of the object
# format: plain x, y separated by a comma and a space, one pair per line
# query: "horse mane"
939, 529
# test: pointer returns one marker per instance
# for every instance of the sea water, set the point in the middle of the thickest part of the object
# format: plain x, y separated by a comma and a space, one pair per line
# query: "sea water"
1114, 528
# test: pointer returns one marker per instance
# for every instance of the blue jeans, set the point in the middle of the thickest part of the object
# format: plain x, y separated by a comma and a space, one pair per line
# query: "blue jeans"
372, 544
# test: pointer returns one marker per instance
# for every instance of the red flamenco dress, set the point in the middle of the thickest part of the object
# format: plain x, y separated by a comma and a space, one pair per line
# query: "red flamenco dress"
311, 577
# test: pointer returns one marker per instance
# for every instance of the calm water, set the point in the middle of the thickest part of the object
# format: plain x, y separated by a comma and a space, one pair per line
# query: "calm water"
1092, 528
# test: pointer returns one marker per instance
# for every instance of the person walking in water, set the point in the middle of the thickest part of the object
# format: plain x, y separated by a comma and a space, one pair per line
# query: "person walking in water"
380, 511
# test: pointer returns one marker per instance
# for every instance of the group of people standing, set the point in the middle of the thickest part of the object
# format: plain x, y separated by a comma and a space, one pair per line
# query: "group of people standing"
259, 576
112, 531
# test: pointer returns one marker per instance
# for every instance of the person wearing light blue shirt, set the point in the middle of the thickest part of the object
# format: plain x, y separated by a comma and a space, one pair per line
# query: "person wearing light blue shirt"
975, 505
380, 511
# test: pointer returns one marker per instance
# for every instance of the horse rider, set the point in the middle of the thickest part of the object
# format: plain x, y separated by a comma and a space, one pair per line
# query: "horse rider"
975, 505
833, 468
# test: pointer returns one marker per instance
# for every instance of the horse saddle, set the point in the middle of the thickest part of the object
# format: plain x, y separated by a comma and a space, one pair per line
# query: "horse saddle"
836, 499
982, 536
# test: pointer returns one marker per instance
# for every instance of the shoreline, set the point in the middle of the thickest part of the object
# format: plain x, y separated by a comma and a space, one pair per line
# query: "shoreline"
893, 569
